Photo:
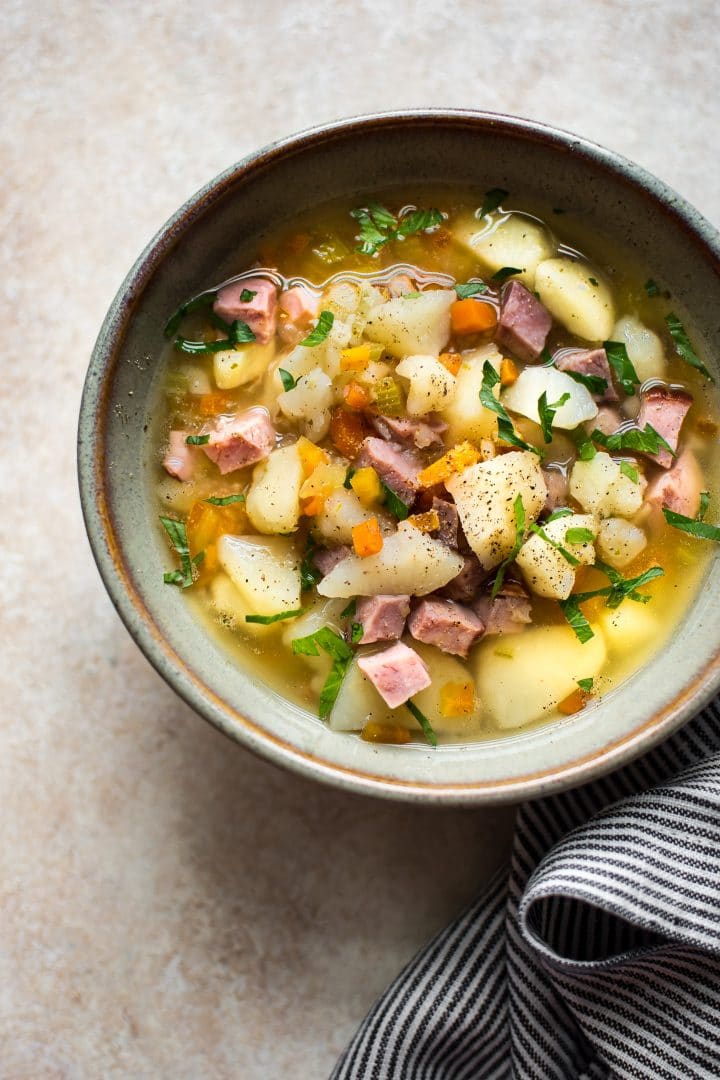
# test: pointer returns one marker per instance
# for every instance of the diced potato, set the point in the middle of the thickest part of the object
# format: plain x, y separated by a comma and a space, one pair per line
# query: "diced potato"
304, 359
643, 347
273, 501
602, 488
265, 571
629, 627
531, 673
232, 607
408, 562
359, 703
485, 495
523, 396
565, 287
309, 401
432, 387
545, 569
465, 416
324, 479
418, 325
619, 542
342, 512
237, 367
509, 240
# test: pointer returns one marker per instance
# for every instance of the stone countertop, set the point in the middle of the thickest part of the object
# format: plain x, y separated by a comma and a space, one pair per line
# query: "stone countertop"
171, 906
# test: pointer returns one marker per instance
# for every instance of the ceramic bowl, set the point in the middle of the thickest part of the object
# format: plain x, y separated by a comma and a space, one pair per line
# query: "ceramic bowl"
192, 252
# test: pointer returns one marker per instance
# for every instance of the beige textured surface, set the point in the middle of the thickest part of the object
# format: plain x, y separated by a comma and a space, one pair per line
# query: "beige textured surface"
170, 906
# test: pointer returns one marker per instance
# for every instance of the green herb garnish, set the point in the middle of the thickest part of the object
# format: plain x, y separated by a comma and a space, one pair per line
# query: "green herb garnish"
547, 413
423, 722
470, 288
246, 296
618, 358
239, 334
593, 281
586, 684
195, 304
309, 573
620, 589
567, 555
266, 620
349, 611
646, 441
347, 482
519, 512
356, 632
177, 532
394, 503
225, 500
564, 511
694, 526
630, 471
411, 295
546, 356
579, 536
418, 221
289, 383
321, 330
492, 200
594, 383
378, 226
683, 346
340, 653
197, 440
506, 431
504, 273
571, 610
652, 288
586, 451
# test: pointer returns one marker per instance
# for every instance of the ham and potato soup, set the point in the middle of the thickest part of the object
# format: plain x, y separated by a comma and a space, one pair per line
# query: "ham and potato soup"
437, 470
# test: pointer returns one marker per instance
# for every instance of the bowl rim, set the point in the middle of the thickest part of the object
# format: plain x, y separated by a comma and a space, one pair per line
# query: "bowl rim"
107, 549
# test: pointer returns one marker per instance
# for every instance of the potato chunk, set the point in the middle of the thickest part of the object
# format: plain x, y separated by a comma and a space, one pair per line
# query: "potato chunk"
341, 513
233, 606
309, 401
601, 488
643, 347
619, 542
273, 501
418, 325
237, 367
525, 678
523, 396
432, 387
545, 569
485, 496
510, 240
408, 562
266, 572
566, 289
465, 416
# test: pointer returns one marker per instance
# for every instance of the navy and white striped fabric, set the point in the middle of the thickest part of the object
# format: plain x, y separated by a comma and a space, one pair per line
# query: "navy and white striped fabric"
596, 956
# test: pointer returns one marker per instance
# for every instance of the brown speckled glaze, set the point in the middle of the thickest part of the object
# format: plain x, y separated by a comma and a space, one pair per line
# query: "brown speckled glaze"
192, 251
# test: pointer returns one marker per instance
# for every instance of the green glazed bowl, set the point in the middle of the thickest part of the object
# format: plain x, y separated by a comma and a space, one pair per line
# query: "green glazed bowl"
193, 252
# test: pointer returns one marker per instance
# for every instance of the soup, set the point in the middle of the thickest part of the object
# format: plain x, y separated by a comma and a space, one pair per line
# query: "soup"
436, 470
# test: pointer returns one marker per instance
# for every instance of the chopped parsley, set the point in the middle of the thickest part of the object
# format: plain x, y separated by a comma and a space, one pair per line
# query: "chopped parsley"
697, 527
506, 431
225, 500
349, 611
579, 536
519, 512
567, 555
683, 346
239, 334
289, 383
547, 413
321, 330
266, 620
356, 632
546, 356
309, 573
339, 652
347, 482
630, 471
470, 288
394, 503
593, 281
619, 360
493, 199
594, 383
198, 302
586, 684
564, 511
586, 451
504, 273
646, 441
423, 722
652, 288
197, 440
378, 226
177, 532
619, 589
246, 296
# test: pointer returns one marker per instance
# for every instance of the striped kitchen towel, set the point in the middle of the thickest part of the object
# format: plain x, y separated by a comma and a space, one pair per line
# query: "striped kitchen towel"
596, 956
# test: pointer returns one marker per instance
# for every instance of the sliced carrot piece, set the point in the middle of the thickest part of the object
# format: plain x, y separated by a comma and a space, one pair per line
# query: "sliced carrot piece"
454, 461
348, 431
472, 316
451, 360
367, 538
385, 733
212, 404
457, 698
574, 702
312, 506
356, 396
508, 371
427, 522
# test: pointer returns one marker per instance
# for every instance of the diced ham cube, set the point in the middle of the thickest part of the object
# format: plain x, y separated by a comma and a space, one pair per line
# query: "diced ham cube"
449, 521
508, 613
590, 362
524, 323
665, 409
397, 673
679, 488
326, 559
608, 420
401, 284
464, 587
382, 617
299, 304
556, 483
259, 312
420, 433
241, 440
179, 458
397, 468
445, 624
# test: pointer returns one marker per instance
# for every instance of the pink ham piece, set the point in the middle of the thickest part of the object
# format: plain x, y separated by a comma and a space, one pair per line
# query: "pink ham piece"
608, 420
326, 559
508, 613
259, 312
299, 304
397, 673
420, 433
382, 617
590, 362
445, 624
665, 409
679, 488
524, 323
241, 440
464, 587
556, 483
401, 284
397, 468
449, 522
178, 460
